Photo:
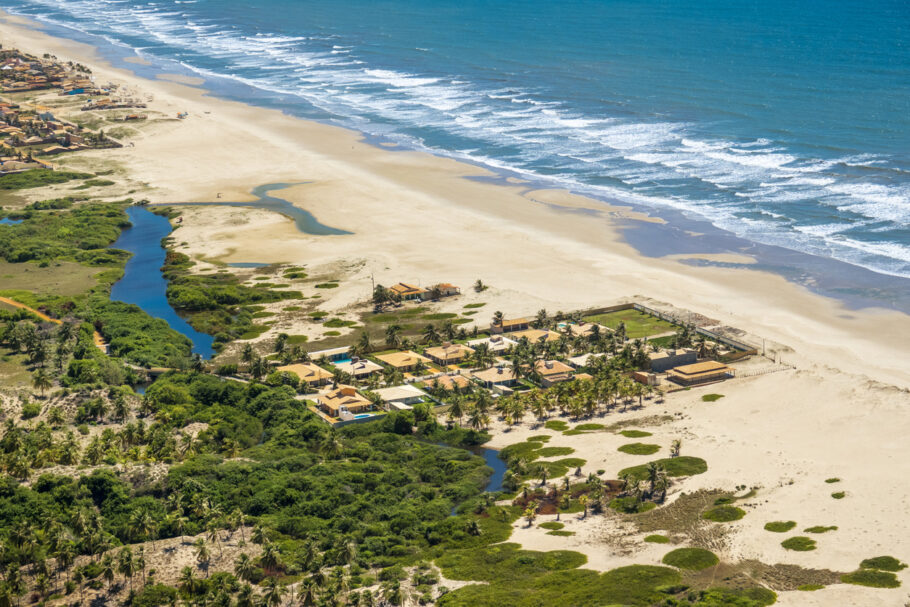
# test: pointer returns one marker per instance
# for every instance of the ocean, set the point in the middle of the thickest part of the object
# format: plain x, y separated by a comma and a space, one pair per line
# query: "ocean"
782, 123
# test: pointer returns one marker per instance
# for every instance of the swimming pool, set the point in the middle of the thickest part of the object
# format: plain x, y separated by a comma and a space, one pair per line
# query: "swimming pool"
362, 415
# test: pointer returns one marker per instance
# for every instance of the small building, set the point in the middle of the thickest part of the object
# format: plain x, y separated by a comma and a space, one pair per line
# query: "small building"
358, 367
700, 373
311, 373
536, 335
586, 329
450, 383
402, 361
332, 354
406, 291
552, 372
443, 289
509, 326
448, 354
668, 359
406, 395
496, 376
343, 400
648, 379
497, 344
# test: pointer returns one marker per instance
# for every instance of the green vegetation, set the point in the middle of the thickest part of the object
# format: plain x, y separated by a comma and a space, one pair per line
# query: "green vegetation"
883, 563
554, 451
780, 526
37, 178
839, 495
635, 433
552, 525
710, 398
799, 543
561, 533
556, 424
98, 183
336, 323
639, 449
474, 305
832, 480
872, 578
723, 514
675, 466
810, 587
327, 285
694, 559
589, 427
637, 324
820, 529
657, 539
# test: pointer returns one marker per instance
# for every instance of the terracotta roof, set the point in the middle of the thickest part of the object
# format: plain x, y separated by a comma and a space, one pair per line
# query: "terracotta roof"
308, 372
344, 396
450, 382
703, 367
495, 375
402, 359
452, 351
551, 367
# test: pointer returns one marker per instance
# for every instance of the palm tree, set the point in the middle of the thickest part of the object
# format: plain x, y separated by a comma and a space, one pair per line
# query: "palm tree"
41, 381
270, 559
188, 580
393, 335
530, 513
675, 447
274, 592
212, 534
364, 346
203, 555
307, 596
258, 536
244, 567
107, 570
456, 409
430, 334
583, 500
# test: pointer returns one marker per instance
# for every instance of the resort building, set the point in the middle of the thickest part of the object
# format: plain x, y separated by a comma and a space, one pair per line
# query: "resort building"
332, 354
497, 344
700, 373
402, 361
586, 329
552, 372
448, 354
668, 359
401, 397
455, 383
343, 400
508, 326
311, 373
496, 376
406, 291
536, 335
358, 367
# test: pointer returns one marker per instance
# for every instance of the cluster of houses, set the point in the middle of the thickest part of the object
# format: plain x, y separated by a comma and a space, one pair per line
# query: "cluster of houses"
403, 291
20, 73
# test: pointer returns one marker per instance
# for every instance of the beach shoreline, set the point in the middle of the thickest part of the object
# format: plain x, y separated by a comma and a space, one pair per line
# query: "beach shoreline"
553, 249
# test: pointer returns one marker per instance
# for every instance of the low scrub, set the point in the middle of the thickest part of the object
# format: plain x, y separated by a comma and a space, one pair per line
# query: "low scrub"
780, 526
883, 563
639, 449
657, 539
675, 466
872, 578
799, 544
724, 514
694, 559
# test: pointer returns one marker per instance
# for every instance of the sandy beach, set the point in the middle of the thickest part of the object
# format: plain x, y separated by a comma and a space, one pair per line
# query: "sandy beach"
842, 412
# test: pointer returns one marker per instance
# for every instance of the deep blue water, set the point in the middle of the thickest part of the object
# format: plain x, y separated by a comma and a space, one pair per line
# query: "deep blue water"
142, 283
6, 221
787, 123
491, 456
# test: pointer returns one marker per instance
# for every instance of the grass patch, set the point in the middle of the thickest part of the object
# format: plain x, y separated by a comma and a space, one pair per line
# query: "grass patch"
291, 309
676, 466
810, 587
471, 306
639, 449
298, 339
337, 323
871, 578
799, 543
638, 324
551, 525
820, 529
723, 514
556, 424
589, 427
832, 480
630, 505
710, 398
572, 462
839, 495
657, 539
694, 559
327, 285
883, 563
37, 178
540, 438
780, 526
555, 451
440, 316
98, 183
332, 333
561, 533
635, 433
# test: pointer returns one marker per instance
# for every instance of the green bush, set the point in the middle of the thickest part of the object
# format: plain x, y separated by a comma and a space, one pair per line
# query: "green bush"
327, 285
724, 514
552, 525
554, 451
37, 178
872, 578
810, 587
694, 559
883, 563
832, 480
635, 433
820, 529
710, 398
674, 466
639, 449
839, 495
780, 526
556, 424
799, 543
30, 410
657, 539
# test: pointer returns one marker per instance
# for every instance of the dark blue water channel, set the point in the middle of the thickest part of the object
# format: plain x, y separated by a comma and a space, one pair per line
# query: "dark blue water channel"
491, 456
143, 284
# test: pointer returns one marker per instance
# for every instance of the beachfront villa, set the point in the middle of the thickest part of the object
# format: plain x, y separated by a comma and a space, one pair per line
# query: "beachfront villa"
700, 373
407, 292
552, 372
536, 335
402, 361
509, 326
358, 367
450, 383
586, 329
668, 359
311, 373
401, 397
497, 344
448, 354
332, 354
344, 400
496, 376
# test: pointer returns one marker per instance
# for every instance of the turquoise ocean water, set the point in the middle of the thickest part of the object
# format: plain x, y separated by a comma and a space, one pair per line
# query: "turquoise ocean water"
784, 123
